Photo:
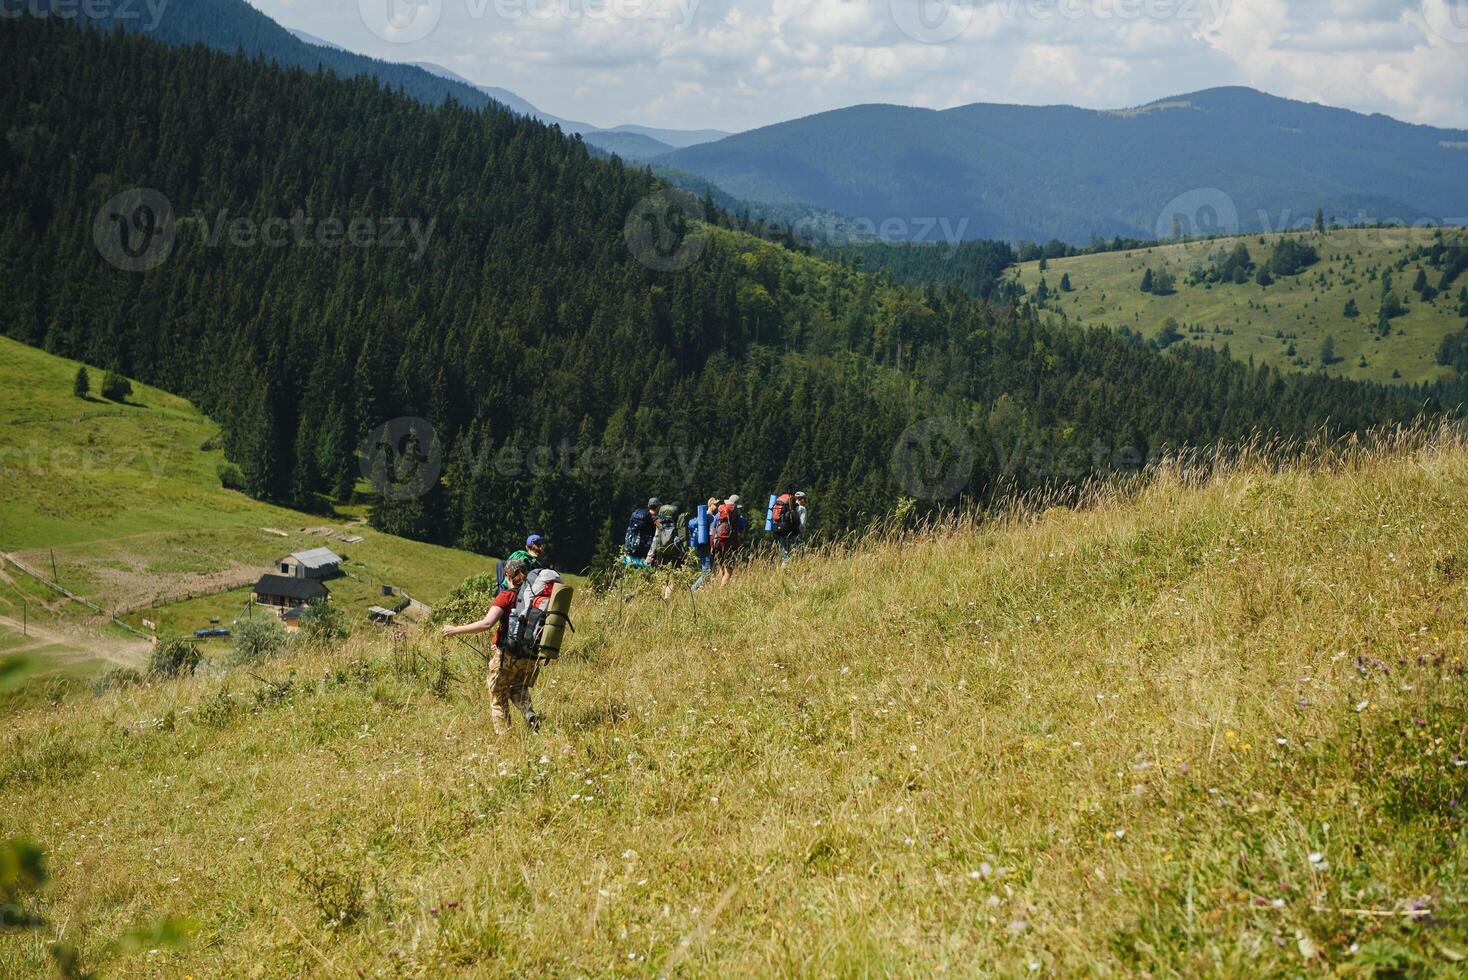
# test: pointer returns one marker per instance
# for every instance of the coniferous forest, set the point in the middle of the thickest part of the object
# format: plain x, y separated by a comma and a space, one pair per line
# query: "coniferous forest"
562, 377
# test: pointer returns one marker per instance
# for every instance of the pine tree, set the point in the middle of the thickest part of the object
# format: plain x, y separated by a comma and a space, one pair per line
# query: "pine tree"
1351, 310
1065, 286
1262, 276
82, 386
1327, 350
1147, 280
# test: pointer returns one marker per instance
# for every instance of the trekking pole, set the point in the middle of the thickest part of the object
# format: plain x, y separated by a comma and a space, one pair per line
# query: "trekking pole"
482, 655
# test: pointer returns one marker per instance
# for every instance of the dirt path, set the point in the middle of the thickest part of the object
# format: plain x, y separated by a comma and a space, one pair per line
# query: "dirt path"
82, 646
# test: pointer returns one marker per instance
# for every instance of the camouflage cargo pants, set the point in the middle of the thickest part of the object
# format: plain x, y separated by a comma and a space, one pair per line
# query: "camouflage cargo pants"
510, 680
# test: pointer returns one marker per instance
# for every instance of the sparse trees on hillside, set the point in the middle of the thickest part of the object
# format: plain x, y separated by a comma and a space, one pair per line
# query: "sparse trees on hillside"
1291, 257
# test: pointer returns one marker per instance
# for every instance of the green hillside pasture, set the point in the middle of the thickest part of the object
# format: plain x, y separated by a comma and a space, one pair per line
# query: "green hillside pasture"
1263, 322
125, 503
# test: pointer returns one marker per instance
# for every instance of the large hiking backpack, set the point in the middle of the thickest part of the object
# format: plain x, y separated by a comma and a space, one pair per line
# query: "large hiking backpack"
669, 545
725, 535
527, 615
785, 518
639, 533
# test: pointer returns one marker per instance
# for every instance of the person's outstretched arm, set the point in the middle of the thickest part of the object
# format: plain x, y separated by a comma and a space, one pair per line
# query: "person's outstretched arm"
487, 623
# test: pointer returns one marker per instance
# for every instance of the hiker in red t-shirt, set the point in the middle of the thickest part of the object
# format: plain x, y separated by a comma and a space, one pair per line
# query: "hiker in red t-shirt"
510, 677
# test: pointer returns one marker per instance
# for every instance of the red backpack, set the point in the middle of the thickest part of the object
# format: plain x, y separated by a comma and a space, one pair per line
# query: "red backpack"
785, 517
726, 535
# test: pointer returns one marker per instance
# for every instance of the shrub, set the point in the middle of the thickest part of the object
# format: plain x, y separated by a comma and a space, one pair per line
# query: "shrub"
323, 623
115, 679
256, 640
230, 476
174, 656
469, 601
115, 387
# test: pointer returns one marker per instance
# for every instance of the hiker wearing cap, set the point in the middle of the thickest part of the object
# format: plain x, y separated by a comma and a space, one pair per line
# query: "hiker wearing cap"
533, 555
510, 677
725, 537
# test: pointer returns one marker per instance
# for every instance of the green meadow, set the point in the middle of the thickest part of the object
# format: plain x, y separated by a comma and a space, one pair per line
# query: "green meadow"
1284, 324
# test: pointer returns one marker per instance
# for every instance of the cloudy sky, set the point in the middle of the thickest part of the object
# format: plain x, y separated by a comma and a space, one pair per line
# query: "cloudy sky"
737, 64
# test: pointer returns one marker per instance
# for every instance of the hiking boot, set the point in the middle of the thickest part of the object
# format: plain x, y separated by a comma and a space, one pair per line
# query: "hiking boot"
533, 721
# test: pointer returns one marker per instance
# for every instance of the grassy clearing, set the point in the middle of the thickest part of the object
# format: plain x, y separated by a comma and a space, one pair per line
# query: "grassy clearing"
1210, 726
125, 502
1295, 313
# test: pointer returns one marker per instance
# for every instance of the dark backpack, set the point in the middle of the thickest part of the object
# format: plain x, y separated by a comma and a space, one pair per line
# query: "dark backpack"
639, 533
786, 517
522, 632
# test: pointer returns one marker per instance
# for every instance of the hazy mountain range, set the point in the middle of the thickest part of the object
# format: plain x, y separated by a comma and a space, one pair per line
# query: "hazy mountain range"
1226, 157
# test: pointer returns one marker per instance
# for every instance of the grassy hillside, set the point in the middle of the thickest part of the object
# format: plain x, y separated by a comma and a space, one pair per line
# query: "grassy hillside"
1283, 324
127, 501
1212, 726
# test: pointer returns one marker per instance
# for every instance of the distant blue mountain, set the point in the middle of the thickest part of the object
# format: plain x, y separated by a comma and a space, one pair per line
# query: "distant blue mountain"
631, 142
1039, 172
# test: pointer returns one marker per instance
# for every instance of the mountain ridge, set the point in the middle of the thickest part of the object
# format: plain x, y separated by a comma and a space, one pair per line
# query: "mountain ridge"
1014, 171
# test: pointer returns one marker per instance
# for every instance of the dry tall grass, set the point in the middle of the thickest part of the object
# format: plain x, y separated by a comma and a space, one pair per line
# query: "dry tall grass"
1211, 722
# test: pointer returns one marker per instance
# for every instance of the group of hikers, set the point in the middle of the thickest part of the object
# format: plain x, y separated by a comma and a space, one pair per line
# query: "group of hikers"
530, 608
712, 535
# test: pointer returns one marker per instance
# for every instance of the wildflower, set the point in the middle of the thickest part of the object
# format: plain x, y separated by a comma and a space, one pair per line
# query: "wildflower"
1281, 741
1119, 833
1018, 926
1230, 734
1362, 706
1318, 861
